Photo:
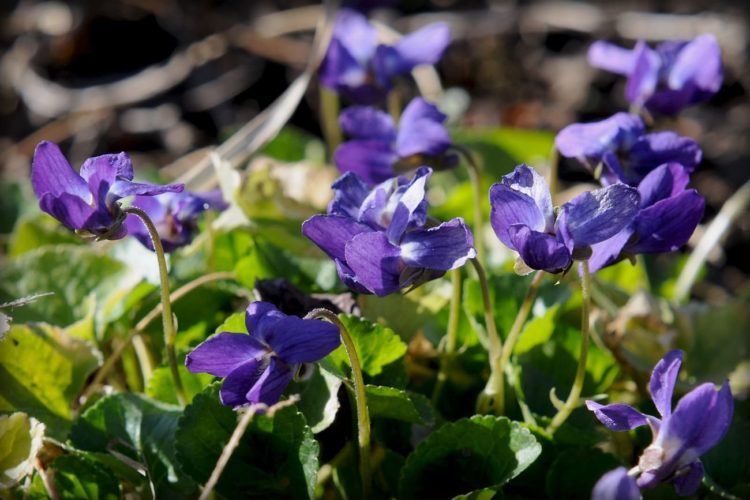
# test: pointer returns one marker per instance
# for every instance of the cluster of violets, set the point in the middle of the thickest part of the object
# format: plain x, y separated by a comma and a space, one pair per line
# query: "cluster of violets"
382, 240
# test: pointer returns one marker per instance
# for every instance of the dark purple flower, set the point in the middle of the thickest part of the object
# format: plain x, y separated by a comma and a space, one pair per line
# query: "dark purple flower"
616, 485
624, 150
668, 78
668, 215
376, 147
524, 220
258, 366
377, 236
362, 70
680, 437
87, 203
175, 216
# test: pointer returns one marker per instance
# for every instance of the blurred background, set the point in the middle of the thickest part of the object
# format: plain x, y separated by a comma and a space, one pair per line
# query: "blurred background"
164, 78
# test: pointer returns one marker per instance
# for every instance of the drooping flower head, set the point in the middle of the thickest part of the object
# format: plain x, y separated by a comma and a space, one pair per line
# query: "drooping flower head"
362, 70
258, 366
377, 149
175, 216
524, 220
680, 437
87, 202
378, 239
624, 150
668, 215
668, 78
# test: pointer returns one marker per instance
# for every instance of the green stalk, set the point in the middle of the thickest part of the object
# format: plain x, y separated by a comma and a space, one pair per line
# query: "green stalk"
329, 118
360, 399
554, 172
393, 102
575, 392
492, 397
167, 320
475, 177
446, 358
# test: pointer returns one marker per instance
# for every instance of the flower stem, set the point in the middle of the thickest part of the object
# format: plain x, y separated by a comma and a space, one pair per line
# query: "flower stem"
329, 118
167, 320
554, 172
446, 357
393, 102
575, 392
492, 396
475, 177
360, 399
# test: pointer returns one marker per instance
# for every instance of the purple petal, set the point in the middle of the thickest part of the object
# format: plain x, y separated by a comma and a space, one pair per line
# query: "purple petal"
618, 417
652, 150
271, 383
668, 224
52, 174
365, 122
239, 382
424, 46
616, 485
609, 251
348, 278
411, 205
688, 479
355, 33
371, 160
662, 381
663, 182
592, 140
509, 208
644, 76
331, 233
698, 64
122, 189
340, 70
349, 192
540, 250
422, 137
526, 180
375, 262
447, 246
70, 210
598, 215
107, 168
223, 353
610, 57
259, 319
298, 340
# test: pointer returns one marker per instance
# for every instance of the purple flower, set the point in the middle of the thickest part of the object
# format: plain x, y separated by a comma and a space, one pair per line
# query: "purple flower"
616, 485
87, 203
362, 70
680, 437
668, 78
258, 367
624, 150
377, 236
524, 220
175, 216
377, 147
668, 215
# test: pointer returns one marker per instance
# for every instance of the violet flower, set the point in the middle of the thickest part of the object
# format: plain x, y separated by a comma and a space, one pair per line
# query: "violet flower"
175, 216
258, 366
680, 437
624, 150
377, 146
524, 220
87, 202
668, 78
668, 215
362, 70
378, 239
616, 485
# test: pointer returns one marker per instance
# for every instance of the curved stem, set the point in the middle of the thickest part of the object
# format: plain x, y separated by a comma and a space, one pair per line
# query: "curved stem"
732, 209
554, 168
575, 392
449, 349
492, 396
475, 177
360, 399
167, 320
110, 362
329, 118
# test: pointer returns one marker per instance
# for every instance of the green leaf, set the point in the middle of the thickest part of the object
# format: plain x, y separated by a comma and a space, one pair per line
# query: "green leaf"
537, 331
36, 231
728, 463
376, 346
502, 149
70, 272
20, 441
235, 323
575, 472
277, 456
293, 144
140, 428
76, 477
42, 370
410, 407
318, 394
161, 384
468, 455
